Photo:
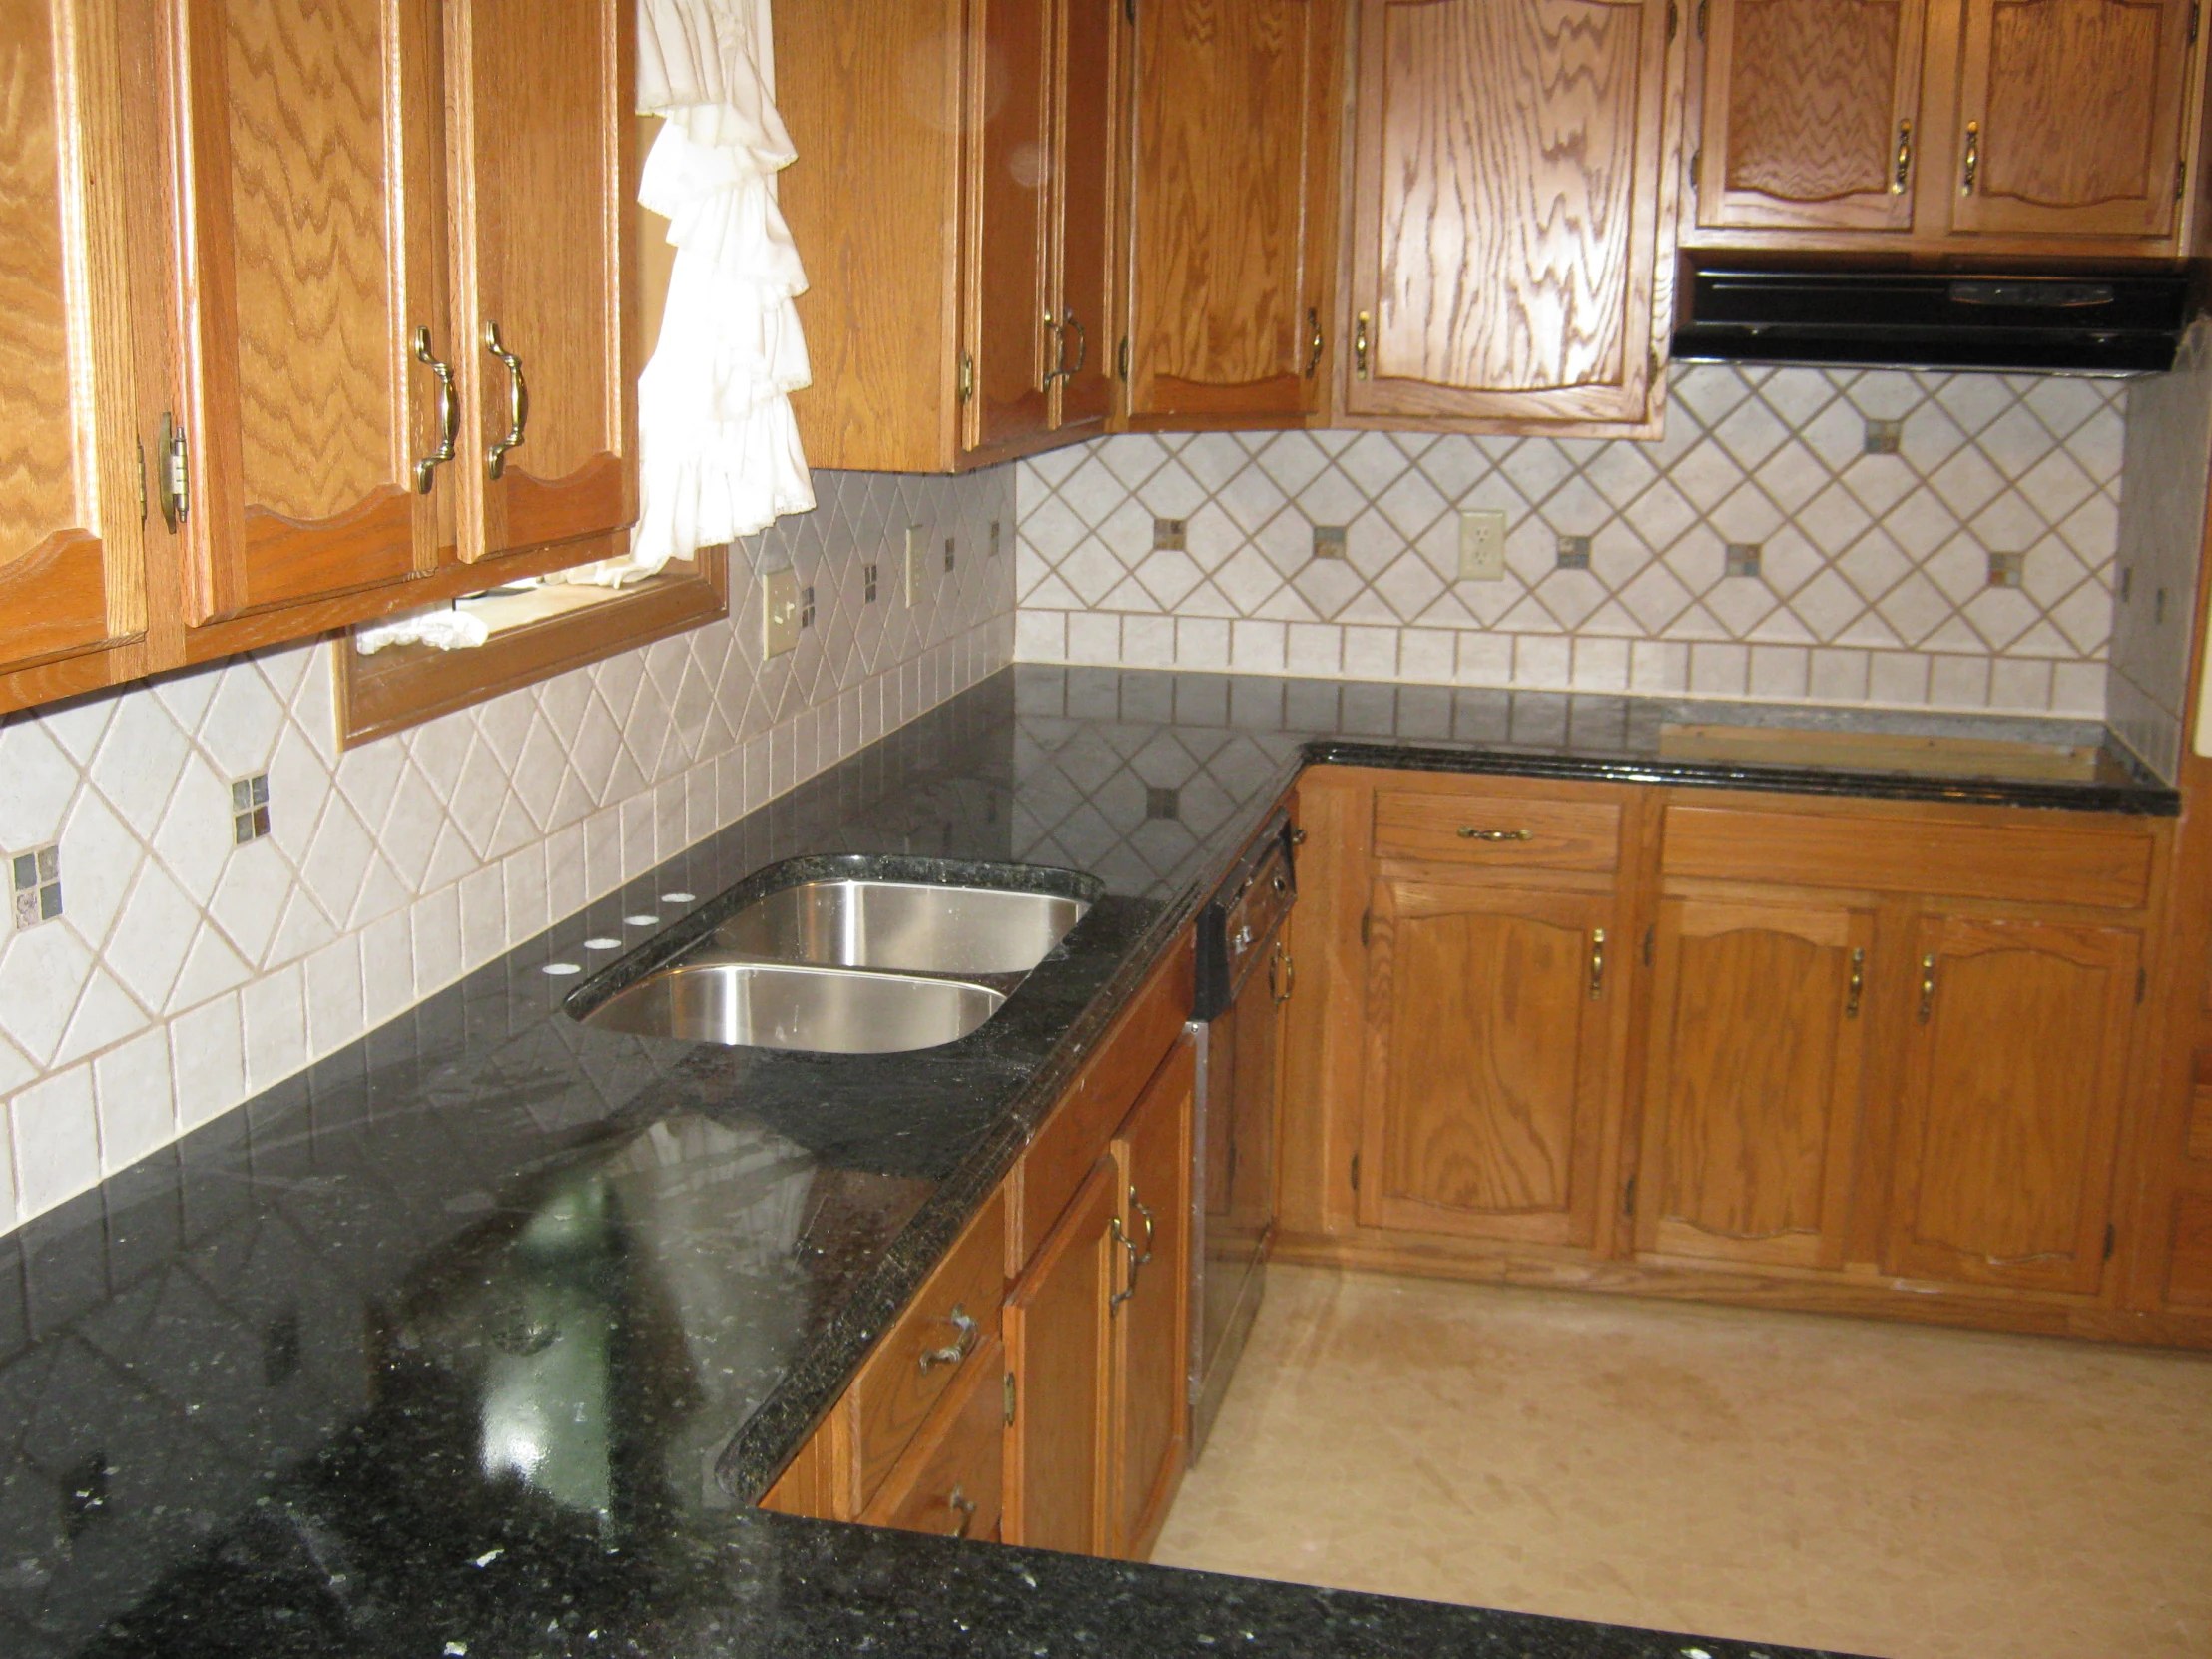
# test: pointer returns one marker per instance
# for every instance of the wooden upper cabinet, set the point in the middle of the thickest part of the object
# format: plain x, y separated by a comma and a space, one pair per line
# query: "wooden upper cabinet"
1506, 200
1087, 50
2008, 1124
1010, 228
2071, 117
313, 217
1752, 1104
71, 559
544, 190
1231, 209
1812, 114
1491, 1043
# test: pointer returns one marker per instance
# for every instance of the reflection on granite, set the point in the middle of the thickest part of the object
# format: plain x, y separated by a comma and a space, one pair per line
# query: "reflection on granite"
485, 1329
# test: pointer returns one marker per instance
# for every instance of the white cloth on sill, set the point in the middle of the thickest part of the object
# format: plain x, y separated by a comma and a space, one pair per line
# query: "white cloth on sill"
718, 450
441, 627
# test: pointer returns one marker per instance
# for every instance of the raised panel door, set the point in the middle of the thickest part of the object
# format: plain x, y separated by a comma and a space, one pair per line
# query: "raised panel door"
1490, 1053
71, 551
312, 213
1811, 114
544, 140
1009, 247
1230, 164
2007, 1127
2071, 117
1061, 1352
1088, 48
1505, 205
1150, 1306
1751, 1098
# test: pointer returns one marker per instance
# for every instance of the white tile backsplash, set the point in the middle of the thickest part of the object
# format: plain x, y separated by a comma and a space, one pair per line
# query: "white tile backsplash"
1874, 569
188, 972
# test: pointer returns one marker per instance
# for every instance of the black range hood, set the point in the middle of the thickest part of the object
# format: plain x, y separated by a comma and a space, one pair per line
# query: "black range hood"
2097, 324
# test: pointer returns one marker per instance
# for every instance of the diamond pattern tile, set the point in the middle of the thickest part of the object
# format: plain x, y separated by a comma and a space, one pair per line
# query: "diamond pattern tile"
1864, 554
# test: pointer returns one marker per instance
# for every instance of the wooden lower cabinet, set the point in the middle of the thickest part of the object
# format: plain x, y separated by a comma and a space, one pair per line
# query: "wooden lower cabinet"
1151, 1311
952, 1478
1490, 1053
1751, 1111
2019, 1056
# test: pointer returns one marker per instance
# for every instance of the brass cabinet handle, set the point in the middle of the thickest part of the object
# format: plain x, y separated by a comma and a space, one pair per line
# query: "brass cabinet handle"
1597, 961
1974, 158
1129, 1246
1928, 987
1314, 343
1468, 832
1858, 985
449, 414
1280, 983
1360, 348
1138, 1205
1068, 319
959, 1347
518, 402
1905, 158
963, 1506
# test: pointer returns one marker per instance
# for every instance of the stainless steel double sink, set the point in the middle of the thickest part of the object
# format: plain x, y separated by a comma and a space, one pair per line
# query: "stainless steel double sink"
852, 966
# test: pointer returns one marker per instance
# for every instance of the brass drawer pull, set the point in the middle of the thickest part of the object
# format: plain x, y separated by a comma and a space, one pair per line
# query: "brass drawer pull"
1314, 344
963, 1506
1858, 983
959, 1347
1468, 832
1282, 973
449, 414
1597, 961
1905, 158
518, 402
1360, 348
1928, 987
1974, 158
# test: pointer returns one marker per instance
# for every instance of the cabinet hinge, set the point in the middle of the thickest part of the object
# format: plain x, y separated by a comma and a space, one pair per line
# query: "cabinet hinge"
1356, 1172
2195, 16
1365, 918
1673, 20
1649, 934
2111, 1239
1009, 1386
172, 473
1697, 171
2142, 982
967, 377
1701, 19
1629, 1197
1129, 10
1121, 359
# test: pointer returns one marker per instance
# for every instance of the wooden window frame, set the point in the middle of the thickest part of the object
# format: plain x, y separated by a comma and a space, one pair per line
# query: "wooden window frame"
405, 685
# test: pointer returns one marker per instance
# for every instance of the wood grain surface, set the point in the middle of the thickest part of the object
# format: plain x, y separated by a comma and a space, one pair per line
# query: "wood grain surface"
1009, 194
1224, 165
1152, 1326
1059, 1347
1085, 145
39, 461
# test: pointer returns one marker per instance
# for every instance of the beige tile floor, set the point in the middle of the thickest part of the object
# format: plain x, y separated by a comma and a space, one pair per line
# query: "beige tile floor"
1783, 1478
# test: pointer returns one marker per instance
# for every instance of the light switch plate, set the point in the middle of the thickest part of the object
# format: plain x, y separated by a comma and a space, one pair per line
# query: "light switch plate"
778, 612
1482, 545
918, 561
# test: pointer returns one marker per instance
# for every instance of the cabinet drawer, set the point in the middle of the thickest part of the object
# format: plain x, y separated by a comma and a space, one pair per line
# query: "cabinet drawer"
950, 1480
2047, 861
1076, 1132
1501, 831
926, 1352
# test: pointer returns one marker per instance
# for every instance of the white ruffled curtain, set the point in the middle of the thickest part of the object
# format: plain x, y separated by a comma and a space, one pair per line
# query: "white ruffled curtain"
719, 454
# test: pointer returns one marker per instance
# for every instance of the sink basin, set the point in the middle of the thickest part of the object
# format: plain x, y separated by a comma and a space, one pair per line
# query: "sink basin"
775, 1006
908, 926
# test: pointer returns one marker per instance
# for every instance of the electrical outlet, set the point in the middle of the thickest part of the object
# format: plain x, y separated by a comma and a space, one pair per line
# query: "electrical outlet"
1482, 545
918, 561
778, 612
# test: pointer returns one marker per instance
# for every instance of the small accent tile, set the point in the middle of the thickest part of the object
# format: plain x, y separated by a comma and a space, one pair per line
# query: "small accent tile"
249, 809
37, 883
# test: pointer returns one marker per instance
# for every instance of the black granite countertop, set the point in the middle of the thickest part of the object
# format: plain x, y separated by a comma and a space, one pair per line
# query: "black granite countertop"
481, 1334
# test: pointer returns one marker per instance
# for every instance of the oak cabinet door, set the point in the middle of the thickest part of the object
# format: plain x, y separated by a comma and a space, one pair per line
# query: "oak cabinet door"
1088, 43
70, 539
1811, 114
1752, 1102
1151, 1309
313, 217
2007, 1127
2071, 117
1229, 199
1505, 205
1009, 122
1490, 1054
1060, 1350
544, 182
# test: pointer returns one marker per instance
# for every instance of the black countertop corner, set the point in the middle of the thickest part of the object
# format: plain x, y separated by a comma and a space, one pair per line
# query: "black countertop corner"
480, 1336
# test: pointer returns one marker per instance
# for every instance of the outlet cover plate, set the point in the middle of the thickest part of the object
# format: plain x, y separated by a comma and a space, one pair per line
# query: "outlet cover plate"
778, 612
1482, 545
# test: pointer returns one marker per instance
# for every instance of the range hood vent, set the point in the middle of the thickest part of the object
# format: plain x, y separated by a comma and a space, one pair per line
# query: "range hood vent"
2100, 323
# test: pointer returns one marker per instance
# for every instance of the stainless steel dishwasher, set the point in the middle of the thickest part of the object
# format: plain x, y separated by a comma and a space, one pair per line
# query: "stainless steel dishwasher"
1244, 977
